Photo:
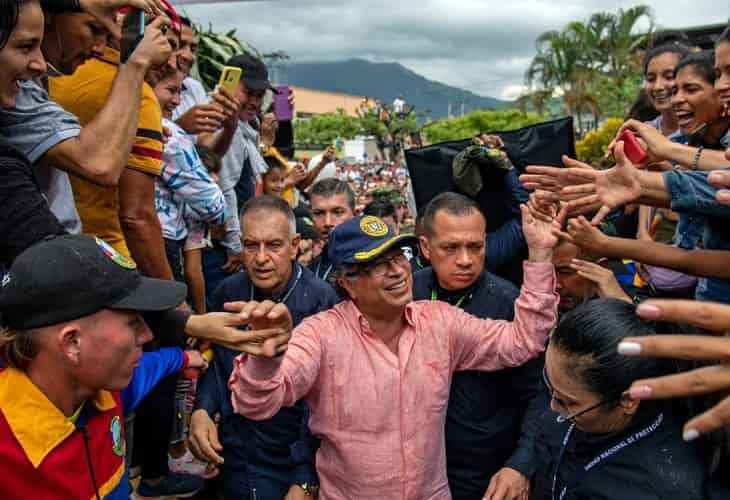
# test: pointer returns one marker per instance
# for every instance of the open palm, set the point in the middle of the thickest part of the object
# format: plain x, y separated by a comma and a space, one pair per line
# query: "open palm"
539, 233
619, 185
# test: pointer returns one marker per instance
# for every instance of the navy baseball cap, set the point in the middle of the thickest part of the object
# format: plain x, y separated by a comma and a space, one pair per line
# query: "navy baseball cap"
71, 276
363, 239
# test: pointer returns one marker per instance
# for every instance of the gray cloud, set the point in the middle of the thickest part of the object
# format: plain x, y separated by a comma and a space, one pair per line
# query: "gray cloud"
484, 46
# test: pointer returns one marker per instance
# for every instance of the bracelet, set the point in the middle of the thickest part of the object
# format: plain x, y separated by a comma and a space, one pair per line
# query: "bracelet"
697, 157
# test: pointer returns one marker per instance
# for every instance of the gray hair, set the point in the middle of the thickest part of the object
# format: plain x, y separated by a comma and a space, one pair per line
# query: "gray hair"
271, 203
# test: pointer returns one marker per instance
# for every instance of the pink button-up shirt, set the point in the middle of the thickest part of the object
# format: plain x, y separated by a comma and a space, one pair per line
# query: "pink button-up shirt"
381, 416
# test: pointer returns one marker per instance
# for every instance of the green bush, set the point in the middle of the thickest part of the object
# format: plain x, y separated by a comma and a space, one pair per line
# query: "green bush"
478, 122
592, 148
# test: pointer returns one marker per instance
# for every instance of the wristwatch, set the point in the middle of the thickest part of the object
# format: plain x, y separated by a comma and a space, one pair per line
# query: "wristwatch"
310, 490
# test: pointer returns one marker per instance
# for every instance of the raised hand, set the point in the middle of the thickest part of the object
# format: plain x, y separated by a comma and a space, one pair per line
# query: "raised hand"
491, 141
229, 105
606, 284
541, 236
583, 234
613, 187
708, 316
154, 49
105, 11
553, 179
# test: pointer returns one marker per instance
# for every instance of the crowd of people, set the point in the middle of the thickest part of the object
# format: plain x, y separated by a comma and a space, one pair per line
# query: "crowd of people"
186, 309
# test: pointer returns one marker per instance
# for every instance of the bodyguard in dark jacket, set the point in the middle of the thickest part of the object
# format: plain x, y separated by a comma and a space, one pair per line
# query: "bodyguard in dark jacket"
262, 459
491, 418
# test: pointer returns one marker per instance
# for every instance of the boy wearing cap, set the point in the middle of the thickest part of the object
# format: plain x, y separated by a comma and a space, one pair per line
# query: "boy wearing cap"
75, 367
375, 370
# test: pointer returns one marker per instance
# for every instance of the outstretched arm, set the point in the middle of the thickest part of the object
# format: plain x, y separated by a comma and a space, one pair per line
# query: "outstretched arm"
705, 263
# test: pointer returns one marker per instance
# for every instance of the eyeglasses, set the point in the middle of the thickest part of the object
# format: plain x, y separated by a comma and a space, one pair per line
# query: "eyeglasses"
381, 267
571, 417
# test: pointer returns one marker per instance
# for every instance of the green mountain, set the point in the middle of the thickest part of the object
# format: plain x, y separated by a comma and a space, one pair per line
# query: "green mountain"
384, 81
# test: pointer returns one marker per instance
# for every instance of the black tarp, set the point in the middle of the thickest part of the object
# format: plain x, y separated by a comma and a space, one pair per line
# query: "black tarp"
539, 144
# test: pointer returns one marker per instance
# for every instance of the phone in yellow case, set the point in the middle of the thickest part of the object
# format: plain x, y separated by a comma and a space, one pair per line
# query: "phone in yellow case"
230, 76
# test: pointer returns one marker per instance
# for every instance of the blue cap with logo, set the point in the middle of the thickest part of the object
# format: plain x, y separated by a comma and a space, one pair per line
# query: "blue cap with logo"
363, 239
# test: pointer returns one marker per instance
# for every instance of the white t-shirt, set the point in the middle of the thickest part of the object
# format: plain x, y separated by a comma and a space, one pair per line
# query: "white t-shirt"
329, 170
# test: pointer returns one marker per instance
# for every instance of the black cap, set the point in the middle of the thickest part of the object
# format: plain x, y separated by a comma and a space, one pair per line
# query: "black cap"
306, 229
72, 276
254, 72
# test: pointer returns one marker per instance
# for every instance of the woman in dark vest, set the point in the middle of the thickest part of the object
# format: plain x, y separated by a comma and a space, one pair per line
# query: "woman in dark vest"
598, 443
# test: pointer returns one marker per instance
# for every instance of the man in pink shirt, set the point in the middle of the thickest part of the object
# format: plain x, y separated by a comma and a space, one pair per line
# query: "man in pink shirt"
376, 369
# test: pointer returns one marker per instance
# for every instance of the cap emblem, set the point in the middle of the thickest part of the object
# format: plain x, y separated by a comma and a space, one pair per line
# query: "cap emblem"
373, 227
115, 256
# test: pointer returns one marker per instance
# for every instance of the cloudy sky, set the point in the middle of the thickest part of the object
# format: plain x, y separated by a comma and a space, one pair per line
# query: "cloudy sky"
484, 46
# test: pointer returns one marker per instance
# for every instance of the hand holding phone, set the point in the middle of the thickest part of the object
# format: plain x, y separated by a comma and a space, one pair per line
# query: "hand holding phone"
230, 77
282, 104
633, 149
132, 32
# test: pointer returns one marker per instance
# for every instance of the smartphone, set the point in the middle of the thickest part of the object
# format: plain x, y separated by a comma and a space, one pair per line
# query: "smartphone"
230, 76
634, 151
282, 106
132, 33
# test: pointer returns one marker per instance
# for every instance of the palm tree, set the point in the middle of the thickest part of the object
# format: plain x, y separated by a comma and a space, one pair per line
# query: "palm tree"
571, 62
623, 41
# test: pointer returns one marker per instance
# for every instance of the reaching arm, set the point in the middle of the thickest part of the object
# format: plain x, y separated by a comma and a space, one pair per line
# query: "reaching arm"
653, 189
261, 387
703, 263
153, 367
140, 224
692, 192
328, 156
100, 152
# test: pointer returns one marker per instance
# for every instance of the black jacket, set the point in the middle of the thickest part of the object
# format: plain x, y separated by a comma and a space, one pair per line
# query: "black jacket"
491, 418
280, 450
321, 265
659, 466
25, 217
